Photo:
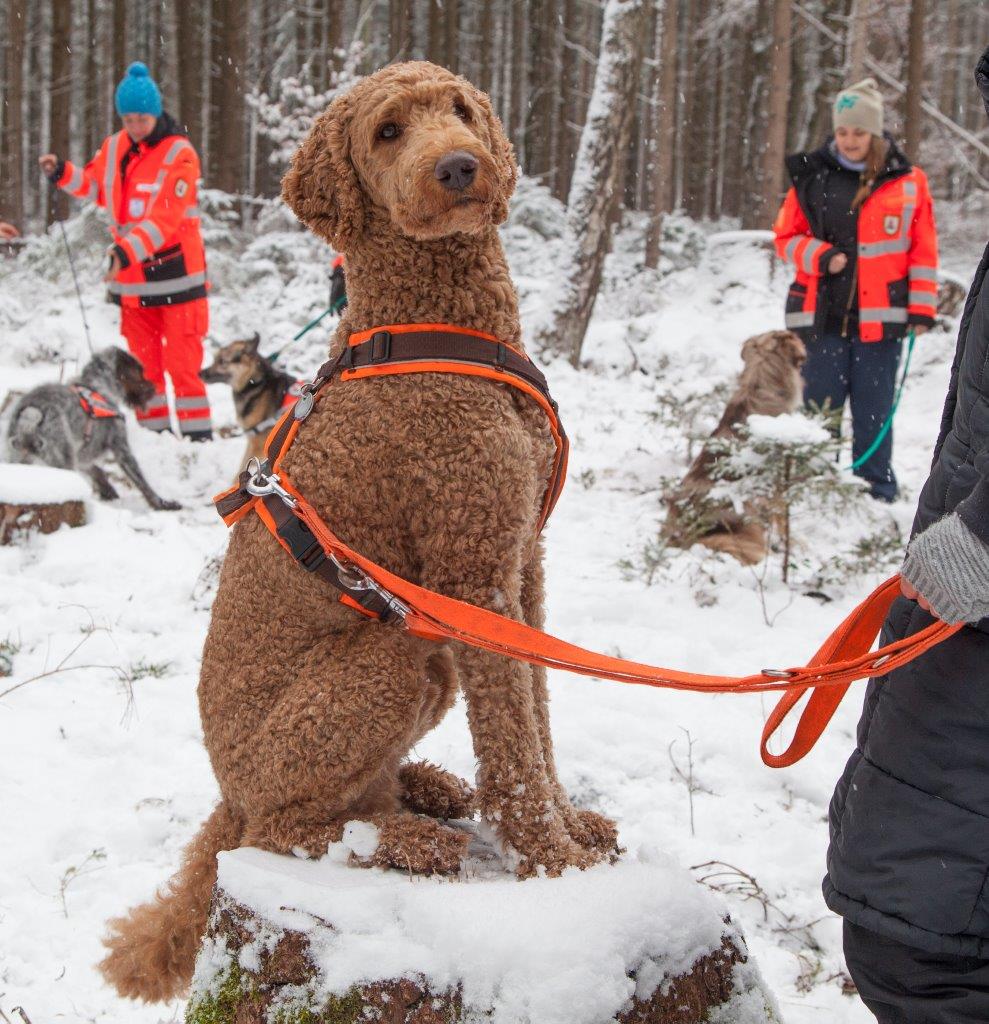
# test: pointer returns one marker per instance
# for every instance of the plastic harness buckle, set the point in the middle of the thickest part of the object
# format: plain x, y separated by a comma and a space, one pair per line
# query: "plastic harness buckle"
304, 547
380, 346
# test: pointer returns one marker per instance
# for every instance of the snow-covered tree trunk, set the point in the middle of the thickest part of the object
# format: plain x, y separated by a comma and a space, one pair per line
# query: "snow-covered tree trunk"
595, 189
914, 119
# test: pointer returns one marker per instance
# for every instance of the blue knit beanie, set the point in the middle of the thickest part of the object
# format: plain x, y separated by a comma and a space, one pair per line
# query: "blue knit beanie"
137, 92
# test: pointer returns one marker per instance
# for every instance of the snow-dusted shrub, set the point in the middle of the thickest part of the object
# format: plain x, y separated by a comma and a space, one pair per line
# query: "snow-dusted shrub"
286, 117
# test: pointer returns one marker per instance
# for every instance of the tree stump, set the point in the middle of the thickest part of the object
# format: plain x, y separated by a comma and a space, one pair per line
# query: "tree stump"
318, 942
39, 499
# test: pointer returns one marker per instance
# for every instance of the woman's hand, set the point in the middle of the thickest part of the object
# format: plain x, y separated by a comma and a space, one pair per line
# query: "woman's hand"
919, 329
114, 266
48, 163
837, 263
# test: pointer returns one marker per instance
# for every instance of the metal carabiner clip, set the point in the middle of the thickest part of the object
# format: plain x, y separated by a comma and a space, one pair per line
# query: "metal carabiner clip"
260, 485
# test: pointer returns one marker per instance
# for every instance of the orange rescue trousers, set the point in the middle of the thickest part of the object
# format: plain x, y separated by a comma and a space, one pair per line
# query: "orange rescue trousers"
169, 339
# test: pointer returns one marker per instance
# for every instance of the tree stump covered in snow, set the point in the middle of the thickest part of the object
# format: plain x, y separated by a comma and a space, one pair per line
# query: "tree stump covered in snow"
319, 942
39, 499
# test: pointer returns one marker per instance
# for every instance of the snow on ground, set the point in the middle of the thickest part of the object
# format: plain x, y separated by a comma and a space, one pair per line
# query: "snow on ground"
105, 774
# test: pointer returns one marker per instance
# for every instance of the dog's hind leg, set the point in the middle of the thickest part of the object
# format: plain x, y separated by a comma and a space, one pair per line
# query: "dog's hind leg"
104, 489
590, 829
329, 750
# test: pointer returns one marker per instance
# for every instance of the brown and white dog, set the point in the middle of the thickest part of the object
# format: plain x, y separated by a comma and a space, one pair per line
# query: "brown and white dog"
310, 710
770, 385
261, 393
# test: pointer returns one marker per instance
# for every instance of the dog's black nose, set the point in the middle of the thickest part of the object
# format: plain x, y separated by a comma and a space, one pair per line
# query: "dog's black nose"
456, 170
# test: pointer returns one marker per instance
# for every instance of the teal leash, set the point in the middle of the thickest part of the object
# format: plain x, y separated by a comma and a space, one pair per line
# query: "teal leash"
871, 450
335, 308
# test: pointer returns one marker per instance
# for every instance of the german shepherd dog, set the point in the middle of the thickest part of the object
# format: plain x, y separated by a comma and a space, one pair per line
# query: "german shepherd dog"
70, 426
260, 391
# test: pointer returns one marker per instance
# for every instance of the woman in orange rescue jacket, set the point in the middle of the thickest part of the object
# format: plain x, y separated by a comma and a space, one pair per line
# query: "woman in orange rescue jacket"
146, 177
858, 224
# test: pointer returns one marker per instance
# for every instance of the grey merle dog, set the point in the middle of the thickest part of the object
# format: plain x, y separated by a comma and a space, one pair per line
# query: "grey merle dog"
71, 426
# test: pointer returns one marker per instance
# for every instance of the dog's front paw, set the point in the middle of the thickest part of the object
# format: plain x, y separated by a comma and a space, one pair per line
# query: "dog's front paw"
552, 855
166, 505
428, 789
594, 832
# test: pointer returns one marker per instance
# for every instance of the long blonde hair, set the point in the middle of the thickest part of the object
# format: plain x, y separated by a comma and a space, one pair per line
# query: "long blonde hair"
875, 161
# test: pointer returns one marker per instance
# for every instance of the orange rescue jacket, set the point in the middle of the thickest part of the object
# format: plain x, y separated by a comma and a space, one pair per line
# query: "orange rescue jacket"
150, 199
897, 255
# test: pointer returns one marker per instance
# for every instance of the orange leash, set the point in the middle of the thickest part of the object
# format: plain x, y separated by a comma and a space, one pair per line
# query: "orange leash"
845, 656
371, 589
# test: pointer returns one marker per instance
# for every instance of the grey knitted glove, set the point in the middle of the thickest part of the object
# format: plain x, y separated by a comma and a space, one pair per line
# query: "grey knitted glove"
949, 566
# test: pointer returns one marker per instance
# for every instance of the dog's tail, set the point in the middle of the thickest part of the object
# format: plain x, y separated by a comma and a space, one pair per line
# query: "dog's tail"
24, 436
153, 949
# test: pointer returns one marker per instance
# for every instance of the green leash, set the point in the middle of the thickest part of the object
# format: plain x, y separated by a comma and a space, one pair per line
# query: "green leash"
871, 450
335, 308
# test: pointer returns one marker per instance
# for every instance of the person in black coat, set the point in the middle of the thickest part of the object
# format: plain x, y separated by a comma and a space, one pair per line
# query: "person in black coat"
908, 864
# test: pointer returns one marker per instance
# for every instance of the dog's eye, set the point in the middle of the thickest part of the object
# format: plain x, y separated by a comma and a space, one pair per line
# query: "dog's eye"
461, 111
389, 131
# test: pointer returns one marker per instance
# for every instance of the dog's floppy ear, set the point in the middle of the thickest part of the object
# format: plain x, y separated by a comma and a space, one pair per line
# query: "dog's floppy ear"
502, 151
795, 349
321, 187
254, 341
751, 347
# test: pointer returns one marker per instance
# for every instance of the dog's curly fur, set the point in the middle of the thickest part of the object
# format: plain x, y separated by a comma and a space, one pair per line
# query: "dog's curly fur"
769, 385
308, 709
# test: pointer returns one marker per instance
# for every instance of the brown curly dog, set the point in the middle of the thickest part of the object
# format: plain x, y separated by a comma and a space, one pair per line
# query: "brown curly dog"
308, 709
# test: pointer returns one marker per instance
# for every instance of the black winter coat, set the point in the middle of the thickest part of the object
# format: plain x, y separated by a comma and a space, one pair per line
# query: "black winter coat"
909, 854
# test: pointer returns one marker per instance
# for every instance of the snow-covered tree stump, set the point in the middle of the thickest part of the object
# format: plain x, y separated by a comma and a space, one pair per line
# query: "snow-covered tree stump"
39, 499
319, 942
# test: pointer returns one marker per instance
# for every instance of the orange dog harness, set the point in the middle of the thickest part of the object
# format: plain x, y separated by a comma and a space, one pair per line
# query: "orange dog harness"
94, 404
371, 589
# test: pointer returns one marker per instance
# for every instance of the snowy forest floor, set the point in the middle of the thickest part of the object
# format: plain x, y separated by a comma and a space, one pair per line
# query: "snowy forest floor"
105, 775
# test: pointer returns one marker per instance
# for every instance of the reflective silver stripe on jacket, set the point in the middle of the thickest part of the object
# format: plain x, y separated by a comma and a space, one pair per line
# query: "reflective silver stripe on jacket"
192, 402
799, 319
901, 244
923, 274
919, 298
176, 284
810, 253
191, 211
194, 426
138, 247
155, 422
76, 180
884, 316
110, 173
174, 149
93, 192
791, 248
152, 231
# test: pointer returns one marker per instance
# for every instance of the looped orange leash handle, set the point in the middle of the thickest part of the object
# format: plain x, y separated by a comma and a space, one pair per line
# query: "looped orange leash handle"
845, 656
